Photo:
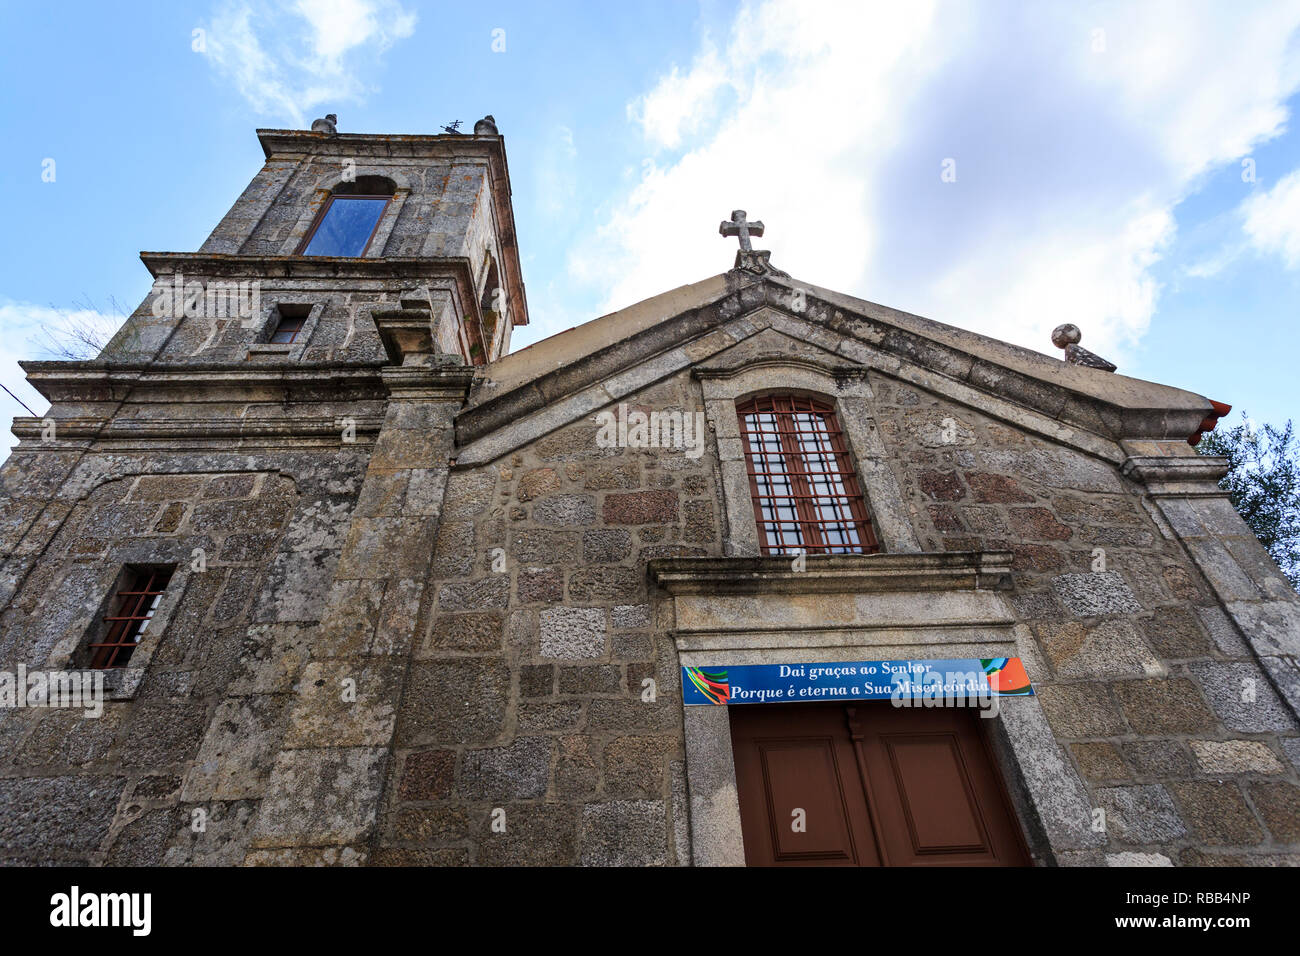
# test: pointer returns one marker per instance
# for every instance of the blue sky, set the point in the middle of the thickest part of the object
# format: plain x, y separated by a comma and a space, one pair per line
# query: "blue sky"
1098, 151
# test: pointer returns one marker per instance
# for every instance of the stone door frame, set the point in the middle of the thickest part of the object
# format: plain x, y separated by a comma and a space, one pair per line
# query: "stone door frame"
733, 611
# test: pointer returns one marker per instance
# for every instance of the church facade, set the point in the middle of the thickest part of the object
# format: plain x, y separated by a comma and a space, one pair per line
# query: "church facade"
358, 585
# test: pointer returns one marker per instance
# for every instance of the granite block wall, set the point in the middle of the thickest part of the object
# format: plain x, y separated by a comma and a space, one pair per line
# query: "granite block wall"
1177, 731
174, 768
542, 722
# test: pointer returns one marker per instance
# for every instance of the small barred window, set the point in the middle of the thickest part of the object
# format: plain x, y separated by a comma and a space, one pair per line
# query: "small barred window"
130, 612
802, 478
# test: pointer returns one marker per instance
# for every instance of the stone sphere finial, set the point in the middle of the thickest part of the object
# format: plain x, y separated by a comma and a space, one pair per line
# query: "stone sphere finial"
487, 126
1066, 335
328, 124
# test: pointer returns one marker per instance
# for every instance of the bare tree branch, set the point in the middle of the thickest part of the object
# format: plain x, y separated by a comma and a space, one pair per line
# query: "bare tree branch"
80, 333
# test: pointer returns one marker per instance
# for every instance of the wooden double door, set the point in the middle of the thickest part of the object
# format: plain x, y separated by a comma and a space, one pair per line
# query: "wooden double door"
869, 784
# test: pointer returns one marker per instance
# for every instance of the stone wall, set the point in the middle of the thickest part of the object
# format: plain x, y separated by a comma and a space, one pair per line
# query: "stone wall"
440, 214
1171, 722
340, 331
174, 769
526, 692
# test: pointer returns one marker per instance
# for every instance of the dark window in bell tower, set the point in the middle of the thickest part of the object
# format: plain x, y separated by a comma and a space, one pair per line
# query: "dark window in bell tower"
289, 320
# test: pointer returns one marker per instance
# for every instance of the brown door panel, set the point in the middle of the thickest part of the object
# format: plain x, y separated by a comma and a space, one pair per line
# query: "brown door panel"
923, 792
934, 786
788, 763
878, 785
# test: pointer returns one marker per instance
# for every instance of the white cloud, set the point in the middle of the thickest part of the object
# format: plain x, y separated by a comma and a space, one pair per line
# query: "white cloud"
288, 61
680, 103
829, 122
339, 25
1272, 220
1212, 265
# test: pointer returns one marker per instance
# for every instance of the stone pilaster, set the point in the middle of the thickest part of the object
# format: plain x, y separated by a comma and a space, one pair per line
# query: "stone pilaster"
1253, 592
325, 789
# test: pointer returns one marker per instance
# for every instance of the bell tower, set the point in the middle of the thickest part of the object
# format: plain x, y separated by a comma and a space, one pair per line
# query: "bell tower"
332, 224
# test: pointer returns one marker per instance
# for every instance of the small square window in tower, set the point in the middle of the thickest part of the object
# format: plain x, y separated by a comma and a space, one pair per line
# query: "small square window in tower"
288, 323
802, 478
346, 226
139, 593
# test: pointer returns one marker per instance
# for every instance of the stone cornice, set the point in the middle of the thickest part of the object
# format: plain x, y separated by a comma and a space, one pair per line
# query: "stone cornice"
848, 574
188, 429
838, 372
100, 380
300, 142
311, 267
432, 382
1180, 475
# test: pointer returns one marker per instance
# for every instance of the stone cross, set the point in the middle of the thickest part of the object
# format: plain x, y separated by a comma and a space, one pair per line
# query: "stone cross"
738, 226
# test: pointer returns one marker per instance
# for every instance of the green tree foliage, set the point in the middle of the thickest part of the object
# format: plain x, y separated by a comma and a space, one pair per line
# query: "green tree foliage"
1264, 481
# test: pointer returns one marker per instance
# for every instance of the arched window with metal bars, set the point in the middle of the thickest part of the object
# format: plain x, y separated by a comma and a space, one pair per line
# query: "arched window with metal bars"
804, 484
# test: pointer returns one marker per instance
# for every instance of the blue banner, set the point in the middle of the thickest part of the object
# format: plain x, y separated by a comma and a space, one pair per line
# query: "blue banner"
854, 680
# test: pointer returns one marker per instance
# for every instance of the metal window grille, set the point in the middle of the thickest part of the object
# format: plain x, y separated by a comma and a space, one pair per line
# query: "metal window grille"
804, 486
129, 617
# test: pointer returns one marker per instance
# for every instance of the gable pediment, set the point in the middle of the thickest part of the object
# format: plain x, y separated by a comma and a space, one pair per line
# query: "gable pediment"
772, 348
721, 325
